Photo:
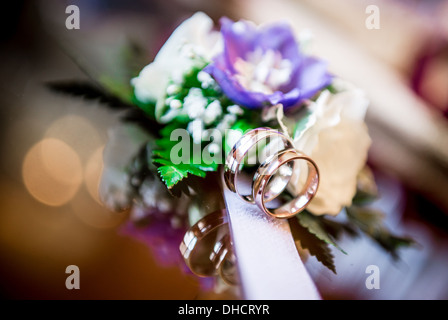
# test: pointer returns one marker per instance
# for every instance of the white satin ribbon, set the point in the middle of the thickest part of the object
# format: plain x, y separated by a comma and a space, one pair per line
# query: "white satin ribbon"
268, 263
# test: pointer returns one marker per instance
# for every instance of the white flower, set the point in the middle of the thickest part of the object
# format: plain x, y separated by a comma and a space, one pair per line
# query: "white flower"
156, 200
263, 71
195, 103
212, 112
235, 109
151, 197
170, 115
196, 128
191, 43
227, 122
175, 104
206, 80
336, 138
172, 89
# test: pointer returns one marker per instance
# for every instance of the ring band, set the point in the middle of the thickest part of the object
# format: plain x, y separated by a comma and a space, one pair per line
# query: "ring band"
222, 256
190, 248
267, 170
241, 149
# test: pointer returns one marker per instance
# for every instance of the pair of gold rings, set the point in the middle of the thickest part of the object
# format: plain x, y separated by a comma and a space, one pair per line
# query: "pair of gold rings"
273, 174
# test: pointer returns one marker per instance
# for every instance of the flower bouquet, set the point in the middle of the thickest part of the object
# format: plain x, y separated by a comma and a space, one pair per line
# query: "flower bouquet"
190, 109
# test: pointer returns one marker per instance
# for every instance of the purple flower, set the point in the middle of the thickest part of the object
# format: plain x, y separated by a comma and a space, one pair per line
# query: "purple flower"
262, 66
162, 239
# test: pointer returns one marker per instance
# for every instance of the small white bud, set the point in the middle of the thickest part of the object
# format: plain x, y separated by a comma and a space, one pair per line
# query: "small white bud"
194, 103
205, 79
175, 104
173, 89
235, 109
195, 129
212, 112
213, 148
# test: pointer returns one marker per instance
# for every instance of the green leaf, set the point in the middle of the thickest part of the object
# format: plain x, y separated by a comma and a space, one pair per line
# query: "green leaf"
138, 117
371, 222
172, 174
366, 189
316, 247
362, 198
160, 153
191, 77
118, 89
165, 144
242, 125
336, 228
316, 226
148, 108
89, 91
332, 89
367, 219
169, 127
109, 64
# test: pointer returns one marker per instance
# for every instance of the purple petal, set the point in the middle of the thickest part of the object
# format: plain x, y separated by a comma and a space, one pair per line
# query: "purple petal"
312, 76
241, 38
279, 37
238, 38
234, 90
286, 99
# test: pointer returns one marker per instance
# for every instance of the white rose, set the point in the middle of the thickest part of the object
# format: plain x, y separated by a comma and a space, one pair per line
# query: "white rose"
336, 138
193, 38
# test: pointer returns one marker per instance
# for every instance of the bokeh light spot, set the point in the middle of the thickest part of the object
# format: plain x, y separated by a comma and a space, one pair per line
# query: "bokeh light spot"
92, 173
52, 172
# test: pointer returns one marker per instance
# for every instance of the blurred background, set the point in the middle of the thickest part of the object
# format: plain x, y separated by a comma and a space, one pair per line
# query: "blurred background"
50, 213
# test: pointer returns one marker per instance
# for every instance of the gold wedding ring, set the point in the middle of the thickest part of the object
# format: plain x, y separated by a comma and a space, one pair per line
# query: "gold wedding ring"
267, 170
273, 174
207, 247
241, 149
224, 258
